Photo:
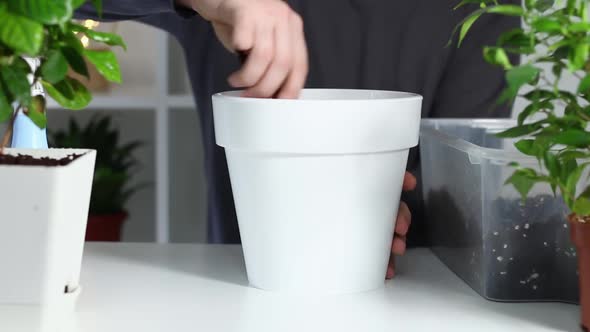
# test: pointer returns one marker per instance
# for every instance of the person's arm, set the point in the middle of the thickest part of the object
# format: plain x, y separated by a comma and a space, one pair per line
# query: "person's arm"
269, 32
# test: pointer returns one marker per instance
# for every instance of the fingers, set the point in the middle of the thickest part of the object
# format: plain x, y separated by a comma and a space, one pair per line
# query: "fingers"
402, 225
409, 182
399, 245
279, 67
403, 220
296, 79
258, 60
272, 35
390, 268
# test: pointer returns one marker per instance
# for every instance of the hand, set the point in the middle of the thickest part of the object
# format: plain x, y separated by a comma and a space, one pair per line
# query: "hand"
271, 33
402, 225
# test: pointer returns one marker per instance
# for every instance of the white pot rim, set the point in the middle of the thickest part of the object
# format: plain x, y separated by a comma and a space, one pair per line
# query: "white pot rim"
323, 121
327, 95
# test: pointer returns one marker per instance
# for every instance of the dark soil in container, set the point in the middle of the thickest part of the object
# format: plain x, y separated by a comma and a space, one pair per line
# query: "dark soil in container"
523, 253
27, 160
529, 252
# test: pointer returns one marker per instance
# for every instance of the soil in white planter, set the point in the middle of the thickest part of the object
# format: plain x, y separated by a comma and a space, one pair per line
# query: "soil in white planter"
20, 159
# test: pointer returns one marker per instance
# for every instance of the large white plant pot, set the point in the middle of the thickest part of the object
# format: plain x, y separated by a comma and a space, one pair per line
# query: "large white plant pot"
317, 183
43, 212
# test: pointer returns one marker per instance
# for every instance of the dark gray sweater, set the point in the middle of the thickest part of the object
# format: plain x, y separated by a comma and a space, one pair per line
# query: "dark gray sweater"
369, 44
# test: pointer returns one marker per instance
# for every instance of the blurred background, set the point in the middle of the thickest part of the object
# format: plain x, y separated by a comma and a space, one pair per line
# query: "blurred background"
154, 108
154, 118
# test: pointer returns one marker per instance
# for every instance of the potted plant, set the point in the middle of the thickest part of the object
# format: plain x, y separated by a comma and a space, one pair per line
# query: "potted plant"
113, 171
46, 192
553, 127
317, 183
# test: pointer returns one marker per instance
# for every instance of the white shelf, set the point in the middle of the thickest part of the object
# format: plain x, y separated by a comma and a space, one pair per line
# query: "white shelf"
178, 102
127, 96
122, 103
154, 80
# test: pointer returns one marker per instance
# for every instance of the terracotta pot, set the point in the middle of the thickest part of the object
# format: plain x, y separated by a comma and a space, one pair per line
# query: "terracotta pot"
106, 228
581, 238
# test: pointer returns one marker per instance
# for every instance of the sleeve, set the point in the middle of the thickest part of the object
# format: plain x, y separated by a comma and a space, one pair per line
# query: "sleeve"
470, 87
118, 10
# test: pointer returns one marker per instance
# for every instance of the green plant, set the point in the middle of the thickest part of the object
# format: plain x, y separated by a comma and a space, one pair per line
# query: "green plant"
44, 29
115, 163
556, 34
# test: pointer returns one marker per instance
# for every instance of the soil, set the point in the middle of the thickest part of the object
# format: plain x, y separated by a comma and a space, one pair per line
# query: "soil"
27, 160
522, 253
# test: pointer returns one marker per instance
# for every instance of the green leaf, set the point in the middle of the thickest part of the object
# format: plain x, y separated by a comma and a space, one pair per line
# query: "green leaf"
23, 35
98, 5
544, 24
526, 146
55, 67
568, 155
523, 181
582, 206
521, 75
543, 5
16, 81
538, 94
516, 41
77, 3
101, 37
106, 64
552, 164
578, 56
533, 108
583, 10
80, 96
75, 60
508, 94
519, 131
496, 56
44, 11
584, 86
466, 25
510, 10
573, 137
556, 69
571, 6
36, 112
468, 2
71, 40
562, 52
567, 167
573, 178
579, 27
5, 108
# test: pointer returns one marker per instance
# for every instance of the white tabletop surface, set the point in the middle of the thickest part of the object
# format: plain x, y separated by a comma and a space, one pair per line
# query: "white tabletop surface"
182, 287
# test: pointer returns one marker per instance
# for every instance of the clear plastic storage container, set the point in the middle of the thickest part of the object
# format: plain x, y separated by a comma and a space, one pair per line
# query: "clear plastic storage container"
504, 248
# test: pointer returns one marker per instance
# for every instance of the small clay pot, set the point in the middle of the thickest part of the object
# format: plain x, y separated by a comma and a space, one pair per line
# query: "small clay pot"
105, 228
581, 238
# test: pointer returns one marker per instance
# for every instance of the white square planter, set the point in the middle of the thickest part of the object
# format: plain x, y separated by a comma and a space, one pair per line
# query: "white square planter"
43, 215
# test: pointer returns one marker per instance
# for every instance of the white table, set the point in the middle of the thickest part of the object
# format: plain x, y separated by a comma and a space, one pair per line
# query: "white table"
182, 287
